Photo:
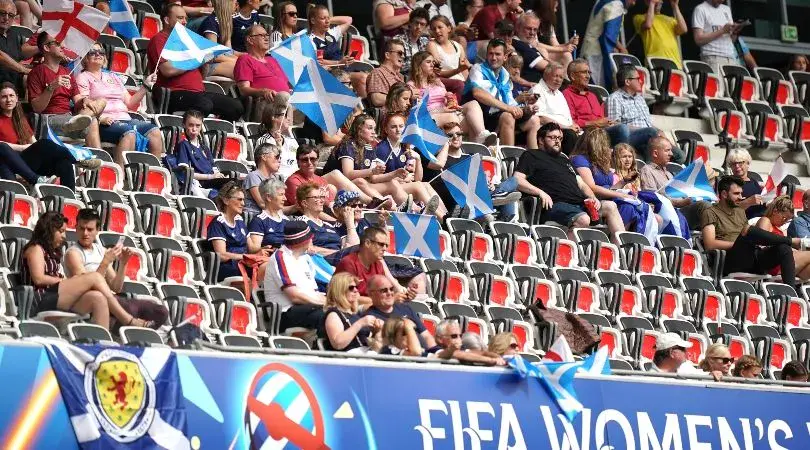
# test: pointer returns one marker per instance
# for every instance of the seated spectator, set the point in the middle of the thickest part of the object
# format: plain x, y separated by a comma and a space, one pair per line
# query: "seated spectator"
799, 227
799, 63
385, 306
285, 22
794, 371
355, 158
748, 366
399, 100
717, 361
472, 341
307, 157
22, 154
453, 64
88, 256
186, 86
268, 159
227, 233
326, 33
242, 20
115, 124
11, 68
624, 166
258, 74
193, 152
585, 108
368, 261
739, 161
626, 105
520, 87
489, 85
535, 59
448, 337
349, 212
289, 280
486, 19
395, 156
277, 131
670, 356
504, 344
266, 230
51, 89
505, 31
659, 32
381, 79
342, 328
83, 294
778, 213
400, 338
326, 239
196, 11
415, 38
563, 53
443, 105
549, 175
748, 249
391, 17
551, 105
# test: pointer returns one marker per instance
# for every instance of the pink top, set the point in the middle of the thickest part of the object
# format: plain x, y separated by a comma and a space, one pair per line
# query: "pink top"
267, 75
110, 88
438, 99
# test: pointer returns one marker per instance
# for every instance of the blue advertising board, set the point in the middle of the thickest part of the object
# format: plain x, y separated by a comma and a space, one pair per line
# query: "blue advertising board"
282, 402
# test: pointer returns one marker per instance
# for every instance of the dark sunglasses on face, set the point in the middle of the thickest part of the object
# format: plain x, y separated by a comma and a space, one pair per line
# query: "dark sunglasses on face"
292, 13
723, 360
386, 290
398, 52
453, 135
310, 159
513, 346
95, 53
352, 288
452, 336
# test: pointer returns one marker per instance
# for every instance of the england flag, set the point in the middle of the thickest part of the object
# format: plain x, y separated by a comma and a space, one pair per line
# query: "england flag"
777, 175
75, 25
416, 235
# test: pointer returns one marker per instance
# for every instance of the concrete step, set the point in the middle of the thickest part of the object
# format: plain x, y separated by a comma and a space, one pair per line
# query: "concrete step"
668, 123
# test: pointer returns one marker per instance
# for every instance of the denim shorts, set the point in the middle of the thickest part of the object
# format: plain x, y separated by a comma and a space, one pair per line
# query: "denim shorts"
114, 132
563, 213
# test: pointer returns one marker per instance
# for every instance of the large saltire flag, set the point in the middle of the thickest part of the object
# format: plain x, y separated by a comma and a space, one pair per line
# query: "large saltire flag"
120, 397
467, 184
322, 98
691, 182
422, 132
79, 153
188, 50
293, 54
75, 25
416, 235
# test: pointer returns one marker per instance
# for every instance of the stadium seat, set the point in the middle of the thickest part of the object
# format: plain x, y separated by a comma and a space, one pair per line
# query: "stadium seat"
692, 145
596, 249
197, 213
140, 336
775, 89
509, 155
489, 283
575, 291
705, 84
609, 335
37, 328
61, 199
532, 285
87, 333
739, 84
766, 127
115, 214
640, 338
702, 301
470, 243
17, 207
672, 85
150, 25
467, 318
512, 243
145, 173
728, 122
728, 334
506, 319
555, 249
797, 124
639, 254
170, 261
744, 304
13, 240
156, 215
689, 333
800, 339
678, 258
789, 309
769, 346
287, 343
445, 282
109, 176
620, 296
240, 340
138, 266
234, 314
801, 82
661, 299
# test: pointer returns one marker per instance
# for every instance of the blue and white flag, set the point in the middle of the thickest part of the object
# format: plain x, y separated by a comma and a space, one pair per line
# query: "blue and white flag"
188, 50
422, 132
416, 235
322, 269
322, 98
691, 182
673, 221
467, 184
597, 363
293, 54
120, 397
121, 20
79, 153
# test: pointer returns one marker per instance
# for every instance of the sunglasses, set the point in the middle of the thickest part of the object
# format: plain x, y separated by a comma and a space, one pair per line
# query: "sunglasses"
513, 346
292, 13
723, 360
386, 290
95, 53
453, 336
381, 244
398, 52
310, 159
352, 288
355, 205
453, 135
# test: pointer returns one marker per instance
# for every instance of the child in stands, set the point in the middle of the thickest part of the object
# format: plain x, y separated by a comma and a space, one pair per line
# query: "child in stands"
193, 152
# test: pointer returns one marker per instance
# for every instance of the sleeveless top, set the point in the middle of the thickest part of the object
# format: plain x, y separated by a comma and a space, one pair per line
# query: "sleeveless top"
91, 258
451, 61
361, 340
53, 268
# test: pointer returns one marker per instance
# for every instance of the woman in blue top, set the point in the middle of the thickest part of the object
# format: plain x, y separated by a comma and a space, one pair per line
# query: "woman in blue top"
266, 230
326, 32
193, 152
240, 21
310, 200
227, 233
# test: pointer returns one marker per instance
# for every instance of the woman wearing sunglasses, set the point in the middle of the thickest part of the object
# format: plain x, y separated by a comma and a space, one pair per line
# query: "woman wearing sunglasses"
504, 344
343, 329
718, 361
286, 22
115, 124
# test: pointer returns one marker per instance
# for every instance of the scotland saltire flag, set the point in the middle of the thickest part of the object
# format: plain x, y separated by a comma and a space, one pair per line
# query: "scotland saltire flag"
416, 235
322, 269
422, 132
322, 98
120, 397
691, 182
673, 221
467, 184
293, 54
79, 153
188, 50
598, 363
121, 20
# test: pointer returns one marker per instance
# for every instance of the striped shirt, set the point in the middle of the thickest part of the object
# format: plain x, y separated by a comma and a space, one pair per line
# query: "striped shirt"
630, 110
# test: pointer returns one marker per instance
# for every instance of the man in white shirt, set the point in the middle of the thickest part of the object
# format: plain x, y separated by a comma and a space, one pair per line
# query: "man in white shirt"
551, 105
438, 8
289, 280
713, 27
670, 357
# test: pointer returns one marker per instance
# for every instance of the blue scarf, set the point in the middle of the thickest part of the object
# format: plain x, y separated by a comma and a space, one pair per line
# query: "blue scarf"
503, 88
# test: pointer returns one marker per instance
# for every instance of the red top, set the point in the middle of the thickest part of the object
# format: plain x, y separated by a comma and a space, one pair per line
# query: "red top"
195, 3
351, 264
295, 180
584, 106
7, 132
265, 74
486, 19
190, 80
40, 77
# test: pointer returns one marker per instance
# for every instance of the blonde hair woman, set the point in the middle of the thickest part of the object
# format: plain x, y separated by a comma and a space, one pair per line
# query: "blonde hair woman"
504, 344
624, 165
777, 215
343, 329
718, 359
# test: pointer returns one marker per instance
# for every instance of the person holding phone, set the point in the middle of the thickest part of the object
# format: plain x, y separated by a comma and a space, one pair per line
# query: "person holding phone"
713, 28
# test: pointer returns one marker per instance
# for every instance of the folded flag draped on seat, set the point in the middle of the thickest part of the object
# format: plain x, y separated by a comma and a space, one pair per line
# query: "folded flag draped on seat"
188, 50
416, 235
75, 25
79, 153
120, 397
691, 182
293, 54
467, 184
422, 132
121, 20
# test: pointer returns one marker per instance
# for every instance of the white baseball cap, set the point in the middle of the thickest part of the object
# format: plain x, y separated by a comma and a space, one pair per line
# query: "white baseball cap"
669, 340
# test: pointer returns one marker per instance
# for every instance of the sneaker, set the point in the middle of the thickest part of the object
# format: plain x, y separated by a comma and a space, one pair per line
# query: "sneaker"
92, 163
491, 140
382, 203
505, 198
46, 179
432, 206
77, 123
485, 220
407, 205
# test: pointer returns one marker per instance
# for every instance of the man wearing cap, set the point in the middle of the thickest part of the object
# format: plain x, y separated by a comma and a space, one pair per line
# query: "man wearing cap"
670, 357
289, 280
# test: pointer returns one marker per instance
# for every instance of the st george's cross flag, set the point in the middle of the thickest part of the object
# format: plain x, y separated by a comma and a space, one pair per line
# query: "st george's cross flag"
293, 54
416, 235
322, 98
559, 351
422, 132
691, 182
467, 183
777, 175
75, 25
188, 50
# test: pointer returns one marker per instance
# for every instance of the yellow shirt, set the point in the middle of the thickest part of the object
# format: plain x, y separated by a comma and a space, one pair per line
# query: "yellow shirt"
660, 40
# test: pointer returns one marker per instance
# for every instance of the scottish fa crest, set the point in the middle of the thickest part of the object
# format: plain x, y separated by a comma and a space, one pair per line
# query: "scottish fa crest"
121, 394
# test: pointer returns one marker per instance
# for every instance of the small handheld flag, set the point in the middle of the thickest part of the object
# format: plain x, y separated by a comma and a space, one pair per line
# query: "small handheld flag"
188, 50
322, 98
467, 183
416, 235
422, 132
79, 153
121, 20
293, 54
691, 182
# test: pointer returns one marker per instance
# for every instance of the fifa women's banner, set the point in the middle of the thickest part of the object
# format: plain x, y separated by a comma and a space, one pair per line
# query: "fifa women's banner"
139, 398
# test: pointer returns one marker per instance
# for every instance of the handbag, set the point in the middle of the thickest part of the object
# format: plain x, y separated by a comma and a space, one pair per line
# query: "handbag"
251, 263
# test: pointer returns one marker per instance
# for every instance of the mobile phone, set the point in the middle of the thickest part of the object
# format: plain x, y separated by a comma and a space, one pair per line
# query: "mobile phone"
121, 240
355, 54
